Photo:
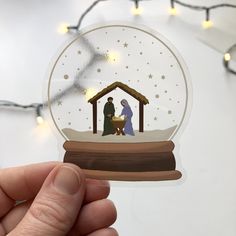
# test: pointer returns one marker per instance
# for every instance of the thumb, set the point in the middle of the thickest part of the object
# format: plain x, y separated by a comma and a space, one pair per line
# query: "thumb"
56, 207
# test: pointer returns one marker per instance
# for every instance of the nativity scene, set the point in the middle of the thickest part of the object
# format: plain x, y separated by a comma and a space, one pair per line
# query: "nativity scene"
118, 95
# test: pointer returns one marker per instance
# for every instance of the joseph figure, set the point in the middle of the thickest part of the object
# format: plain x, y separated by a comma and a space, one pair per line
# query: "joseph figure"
109, 112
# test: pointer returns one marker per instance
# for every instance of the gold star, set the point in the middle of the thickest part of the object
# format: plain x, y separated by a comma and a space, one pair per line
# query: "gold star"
125, 45
150, 76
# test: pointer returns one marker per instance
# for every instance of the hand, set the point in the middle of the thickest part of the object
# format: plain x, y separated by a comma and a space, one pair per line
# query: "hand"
58, 200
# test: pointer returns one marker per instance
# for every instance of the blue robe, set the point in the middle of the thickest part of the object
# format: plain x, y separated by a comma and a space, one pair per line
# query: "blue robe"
128, 129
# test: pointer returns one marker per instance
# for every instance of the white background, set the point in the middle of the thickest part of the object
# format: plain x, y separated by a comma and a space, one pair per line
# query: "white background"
204, 203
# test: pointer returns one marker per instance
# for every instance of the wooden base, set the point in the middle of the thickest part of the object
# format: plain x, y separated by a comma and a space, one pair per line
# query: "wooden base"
124, 161
133, 176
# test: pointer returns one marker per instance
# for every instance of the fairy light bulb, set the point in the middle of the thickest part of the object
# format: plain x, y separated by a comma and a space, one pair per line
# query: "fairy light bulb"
63, 28
90, 92
173, 11
136, 11
40, 120
113, 57
206, 24
227, 57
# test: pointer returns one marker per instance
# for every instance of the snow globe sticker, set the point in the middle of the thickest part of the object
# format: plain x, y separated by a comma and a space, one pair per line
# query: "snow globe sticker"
119, 95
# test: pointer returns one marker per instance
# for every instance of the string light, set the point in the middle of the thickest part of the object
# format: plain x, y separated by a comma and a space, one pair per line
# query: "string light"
207, 23
113, 57
37, 107
227, 59
90, 8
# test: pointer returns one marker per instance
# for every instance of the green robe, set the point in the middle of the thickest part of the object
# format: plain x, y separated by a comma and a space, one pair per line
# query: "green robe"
108, 126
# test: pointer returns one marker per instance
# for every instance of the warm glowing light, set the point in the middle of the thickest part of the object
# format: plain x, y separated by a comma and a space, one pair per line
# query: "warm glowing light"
40, 120
113, 57
207, 24
137, 11
173, 11
90, 92
227, 57
63, 28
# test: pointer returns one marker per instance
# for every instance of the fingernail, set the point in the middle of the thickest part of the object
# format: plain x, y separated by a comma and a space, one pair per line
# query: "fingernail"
67, 180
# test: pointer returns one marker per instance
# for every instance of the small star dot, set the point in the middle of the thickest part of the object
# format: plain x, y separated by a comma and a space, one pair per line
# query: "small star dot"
155, 85
155, 118
78, 68
138, 80
165, 91
152, 42
163, 77
79, 52
63, 64
135, 36
59, 118
118, 41
177, 85
69, 123
69, 112
171, 65
178, 102
65, 55
170, 99
90, 127
105, 32
125, 45
98, 48
157, 96
169, 112
80, 109
123, 29
66, 76
98, 70
141, 53
59, 90
148, 63
140, 42
127, 67
161, 53
116, 73
150, 76
59, 103
137, 69
99, 101
128, 55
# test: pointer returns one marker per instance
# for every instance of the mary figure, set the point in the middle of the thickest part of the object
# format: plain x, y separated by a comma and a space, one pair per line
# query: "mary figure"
127, 112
